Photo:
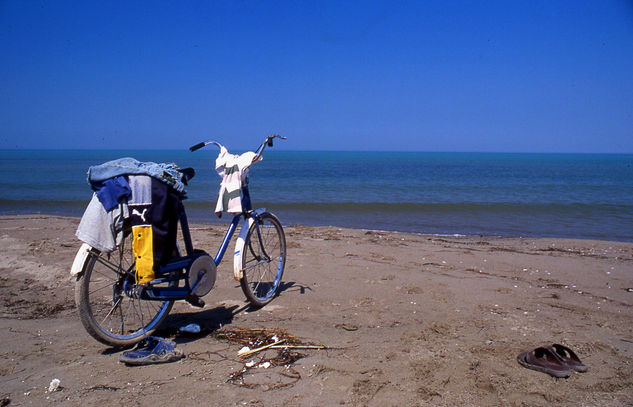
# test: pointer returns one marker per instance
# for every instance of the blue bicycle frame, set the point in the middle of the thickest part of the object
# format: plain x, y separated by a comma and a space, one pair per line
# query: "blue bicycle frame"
183, 263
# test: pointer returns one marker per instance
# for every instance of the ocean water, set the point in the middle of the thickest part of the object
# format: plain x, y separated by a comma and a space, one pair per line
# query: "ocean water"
587, 196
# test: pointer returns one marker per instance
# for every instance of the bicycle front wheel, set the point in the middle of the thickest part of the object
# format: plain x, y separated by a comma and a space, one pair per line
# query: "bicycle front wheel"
110, 306
263, 259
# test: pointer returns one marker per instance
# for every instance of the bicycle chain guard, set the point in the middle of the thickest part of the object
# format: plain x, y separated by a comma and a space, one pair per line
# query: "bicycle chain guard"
202, 272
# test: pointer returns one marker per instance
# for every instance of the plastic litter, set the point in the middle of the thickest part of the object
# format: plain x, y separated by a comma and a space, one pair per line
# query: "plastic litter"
191, 328
54, 385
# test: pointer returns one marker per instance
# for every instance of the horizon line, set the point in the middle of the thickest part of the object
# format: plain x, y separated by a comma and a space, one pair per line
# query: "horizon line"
326, 150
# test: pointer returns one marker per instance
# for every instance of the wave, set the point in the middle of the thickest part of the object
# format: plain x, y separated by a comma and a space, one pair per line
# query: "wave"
591, 221
17, 203
401, 207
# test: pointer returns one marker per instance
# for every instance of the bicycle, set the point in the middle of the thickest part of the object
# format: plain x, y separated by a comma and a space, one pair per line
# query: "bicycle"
117, 311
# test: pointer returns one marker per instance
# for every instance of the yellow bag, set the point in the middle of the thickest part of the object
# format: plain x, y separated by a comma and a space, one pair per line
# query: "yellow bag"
143, 249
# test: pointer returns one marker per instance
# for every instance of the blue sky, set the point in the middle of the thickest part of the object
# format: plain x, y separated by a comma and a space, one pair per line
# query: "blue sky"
526, 76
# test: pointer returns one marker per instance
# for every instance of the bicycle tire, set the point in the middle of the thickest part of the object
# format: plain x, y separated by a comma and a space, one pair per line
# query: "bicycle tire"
107, 312
263, 267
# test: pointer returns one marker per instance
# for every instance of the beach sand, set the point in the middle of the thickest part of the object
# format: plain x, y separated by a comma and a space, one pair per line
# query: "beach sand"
409, 320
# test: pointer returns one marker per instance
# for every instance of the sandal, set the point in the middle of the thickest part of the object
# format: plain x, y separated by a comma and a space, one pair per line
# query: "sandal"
152, 350
544, 359
568, 357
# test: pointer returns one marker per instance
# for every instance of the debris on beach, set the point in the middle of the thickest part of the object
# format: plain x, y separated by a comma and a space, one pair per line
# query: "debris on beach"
243, 351
191, 328
257, 341
54, 386
260, 339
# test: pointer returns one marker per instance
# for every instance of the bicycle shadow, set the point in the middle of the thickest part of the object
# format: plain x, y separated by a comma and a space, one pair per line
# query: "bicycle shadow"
209, 320
292, 286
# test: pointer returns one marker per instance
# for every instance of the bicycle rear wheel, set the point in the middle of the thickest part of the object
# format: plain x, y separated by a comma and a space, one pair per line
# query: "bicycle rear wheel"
109, 302
263, 259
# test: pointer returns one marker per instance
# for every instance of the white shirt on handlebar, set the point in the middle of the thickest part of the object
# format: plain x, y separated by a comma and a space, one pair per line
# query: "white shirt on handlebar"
233, 170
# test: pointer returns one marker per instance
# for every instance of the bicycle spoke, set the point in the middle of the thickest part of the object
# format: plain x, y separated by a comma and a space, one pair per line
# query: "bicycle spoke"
112, 310
109, 265
138, 308
109, 285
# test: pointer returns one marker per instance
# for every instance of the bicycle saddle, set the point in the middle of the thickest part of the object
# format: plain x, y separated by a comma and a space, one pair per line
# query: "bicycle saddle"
187, 175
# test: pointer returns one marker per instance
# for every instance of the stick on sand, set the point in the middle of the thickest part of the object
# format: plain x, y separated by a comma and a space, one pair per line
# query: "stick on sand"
250, 352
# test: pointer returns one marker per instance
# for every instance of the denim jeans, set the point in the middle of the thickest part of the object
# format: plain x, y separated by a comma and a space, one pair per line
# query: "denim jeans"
167, 173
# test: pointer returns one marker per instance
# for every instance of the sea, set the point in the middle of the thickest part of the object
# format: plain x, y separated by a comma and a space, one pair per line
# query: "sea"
585, 196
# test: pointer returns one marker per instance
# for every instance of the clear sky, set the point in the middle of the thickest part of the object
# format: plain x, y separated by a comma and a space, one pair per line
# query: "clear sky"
528, 76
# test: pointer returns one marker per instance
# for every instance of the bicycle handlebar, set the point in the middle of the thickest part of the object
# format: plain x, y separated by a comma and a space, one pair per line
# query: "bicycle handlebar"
203, 144
268, 142
197, 146
260, 150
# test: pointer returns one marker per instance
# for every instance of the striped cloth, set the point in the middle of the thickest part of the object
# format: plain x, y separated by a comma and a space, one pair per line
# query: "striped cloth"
233, 170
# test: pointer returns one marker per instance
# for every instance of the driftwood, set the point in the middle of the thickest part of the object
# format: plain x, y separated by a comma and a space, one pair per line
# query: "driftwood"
261, 348
298, 347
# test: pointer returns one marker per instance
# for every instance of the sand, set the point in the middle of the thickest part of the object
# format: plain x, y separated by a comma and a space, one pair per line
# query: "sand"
409, 320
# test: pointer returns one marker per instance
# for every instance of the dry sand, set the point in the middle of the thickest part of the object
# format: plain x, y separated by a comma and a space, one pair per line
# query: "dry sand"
410, 320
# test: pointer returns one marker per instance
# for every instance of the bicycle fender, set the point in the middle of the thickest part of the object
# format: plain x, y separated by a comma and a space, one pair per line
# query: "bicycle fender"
80, 259
238, 272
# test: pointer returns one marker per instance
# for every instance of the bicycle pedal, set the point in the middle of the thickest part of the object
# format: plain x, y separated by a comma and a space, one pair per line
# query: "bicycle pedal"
195, 301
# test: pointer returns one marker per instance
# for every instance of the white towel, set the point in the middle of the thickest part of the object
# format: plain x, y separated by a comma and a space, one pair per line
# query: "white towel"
233, 169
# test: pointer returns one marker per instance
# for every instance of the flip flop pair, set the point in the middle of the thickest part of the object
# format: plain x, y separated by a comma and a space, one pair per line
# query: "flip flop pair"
556, 360
152, 350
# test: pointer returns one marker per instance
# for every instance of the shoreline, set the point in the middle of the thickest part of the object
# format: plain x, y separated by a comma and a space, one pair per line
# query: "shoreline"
407, 320
291, 225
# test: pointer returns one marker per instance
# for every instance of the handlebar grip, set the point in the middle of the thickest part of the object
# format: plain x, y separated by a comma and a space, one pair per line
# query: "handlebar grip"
197, 146
269, 140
